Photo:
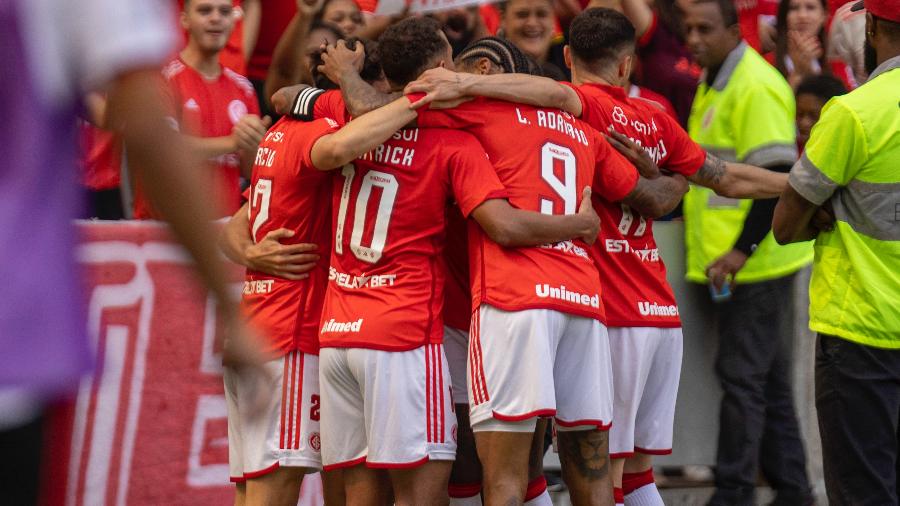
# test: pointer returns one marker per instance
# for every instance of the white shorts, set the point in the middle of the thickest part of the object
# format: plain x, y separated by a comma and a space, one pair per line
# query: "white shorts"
456, 346
539, 362
387, 409
646, 369
286, 432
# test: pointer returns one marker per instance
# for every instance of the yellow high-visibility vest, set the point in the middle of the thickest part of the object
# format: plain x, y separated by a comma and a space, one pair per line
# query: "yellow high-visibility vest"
747, 115
853, 159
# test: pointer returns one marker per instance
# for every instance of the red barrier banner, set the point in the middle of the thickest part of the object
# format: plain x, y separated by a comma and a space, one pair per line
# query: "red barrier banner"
150, 426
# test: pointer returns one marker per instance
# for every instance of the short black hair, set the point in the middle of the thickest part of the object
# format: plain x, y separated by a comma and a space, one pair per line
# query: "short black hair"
370, 72
409, 47
822, 86
599, 36
499, 51
726, 8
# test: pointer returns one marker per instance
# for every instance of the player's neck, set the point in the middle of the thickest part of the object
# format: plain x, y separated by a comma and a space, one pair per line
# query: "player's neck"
204, 62
584, 76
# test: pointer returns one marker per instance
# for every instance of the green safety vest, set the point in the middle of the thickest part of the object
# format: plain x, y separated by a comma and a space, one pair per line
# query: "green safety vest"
853, 159
747, 115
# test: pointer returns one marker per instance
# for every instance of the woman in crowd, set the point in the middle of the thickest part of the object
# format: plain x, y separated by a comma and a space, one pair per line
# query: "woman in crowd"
531, 25
344, 14
800, 42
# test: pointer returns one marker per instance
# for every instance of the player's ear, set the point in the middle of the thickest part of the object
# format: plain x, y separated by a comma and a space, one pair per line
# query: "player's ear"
483, 67
184, 19
625, 65
567, 56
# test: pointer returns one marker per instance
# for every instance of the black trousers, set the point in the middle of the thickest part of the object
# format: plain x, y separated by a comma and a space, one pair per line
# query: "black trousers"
757, 423
20, 463
858, 403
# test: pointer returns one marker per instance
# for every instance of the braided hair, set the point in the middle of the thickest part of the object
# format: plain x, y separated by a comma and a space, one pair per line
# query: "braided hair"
500, 52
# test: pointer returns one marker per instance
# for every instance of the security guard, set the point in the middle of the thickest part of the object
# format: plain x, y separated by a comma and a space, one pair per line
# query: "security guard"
851, 167
744, 111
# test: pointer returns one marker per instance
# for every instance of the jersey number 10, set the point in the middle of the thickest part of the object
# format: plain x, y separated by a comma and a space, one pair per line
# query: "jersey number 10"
389, 186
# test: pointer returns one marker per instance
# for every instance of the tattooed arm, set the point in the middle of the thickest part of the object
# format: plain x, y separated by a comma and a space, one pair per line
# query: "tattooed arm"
657, 197
739, 180
361, 97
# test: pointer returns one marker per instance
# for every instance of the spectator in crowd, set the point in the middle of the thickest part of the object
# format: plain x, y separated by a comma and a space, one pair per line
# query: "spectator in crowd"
212, 106
667, 67
302, 37
344, 14
246, 29
100, 161
800, 42
275, 17
51, 58
812, 94
531, 26
744, 111
462, 26
846, 40
849, 170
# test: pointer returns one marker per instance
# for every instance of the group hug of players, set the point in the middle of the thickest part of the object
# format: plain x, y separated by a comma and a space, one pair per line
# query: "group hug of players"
461, 288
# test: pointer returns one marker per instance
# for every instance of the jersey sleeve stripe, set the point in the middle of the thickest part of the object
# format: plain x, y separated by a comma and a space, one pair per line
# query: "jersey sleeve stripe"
304, 104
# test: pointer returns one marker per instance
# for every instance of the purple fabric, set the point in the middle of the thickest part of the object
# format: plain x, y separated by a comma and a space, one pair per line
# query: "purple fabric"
43, 342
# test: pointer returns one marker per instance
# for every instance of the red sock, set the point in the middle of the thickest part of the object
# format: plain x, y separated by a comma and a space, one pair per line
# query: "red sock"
634, 481
618, 495
536, 487
461, 490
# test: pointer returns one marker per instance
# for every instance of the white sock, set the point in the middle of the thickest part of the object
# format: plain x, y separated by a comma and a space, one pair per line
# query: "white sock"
541, 500
647, 495
475, 500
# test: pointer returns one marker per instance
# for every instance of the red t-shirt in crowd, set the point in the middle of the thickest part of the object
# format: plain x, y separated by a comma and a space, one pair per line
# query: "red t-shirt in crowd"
386, 286
101, 158
544, 157
275, 17
287, 191
635, 91
204, 108
668, 68
626, 250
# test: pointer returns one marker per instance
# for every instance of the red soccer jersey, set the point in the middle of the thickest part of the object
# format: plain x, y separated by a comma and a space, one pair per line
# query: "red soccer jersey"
544, 157
386, 284
287, 191
204, 108
626, 250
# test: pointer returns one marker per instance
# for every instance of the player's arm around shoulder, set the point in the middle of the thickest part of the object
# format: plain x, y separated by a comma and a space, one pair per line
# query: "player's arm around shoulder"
511, 227
440, 84
361, 135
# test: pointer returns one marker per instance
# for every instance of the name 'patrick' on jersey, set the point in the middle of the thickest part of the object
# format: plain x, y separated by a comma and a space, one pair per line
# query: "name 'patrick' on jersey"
386, 278
544, 157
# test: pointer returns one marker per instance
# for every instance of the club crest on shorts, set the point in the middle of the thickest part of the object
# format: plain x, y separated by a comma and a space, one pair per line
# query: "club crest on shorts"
315, 442
453, 433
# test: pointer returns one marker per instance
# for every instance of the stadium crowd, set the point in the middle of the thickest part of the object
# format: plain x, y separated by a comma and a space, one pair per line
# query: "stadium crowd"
445, 211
